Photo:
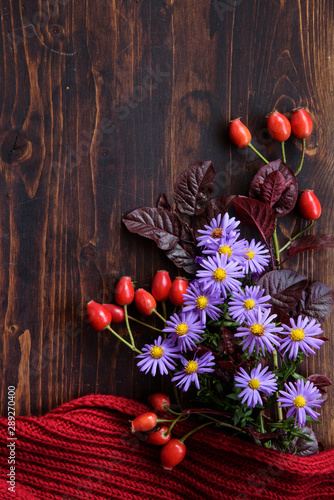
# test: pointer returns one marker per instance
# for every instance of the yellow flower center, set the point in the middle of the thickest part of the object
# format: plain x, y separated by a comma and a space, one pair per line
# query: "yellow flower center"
182, 329
249, 304
157, 352
202, 302
254, 383
299, 401
226, 250
250, 254
219, 274
297, 334
191, 367
257, 329
217, 233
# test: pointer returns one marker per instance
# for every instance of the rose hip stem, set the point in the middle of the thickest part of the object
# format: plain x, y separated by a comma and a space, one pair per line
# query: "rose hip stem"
250, 145
174, 422
276, 245
164, 309
128, 324
145, 324
132, 347
159, 315
302, 157
279, 408
182, 440
296, 236
283, 152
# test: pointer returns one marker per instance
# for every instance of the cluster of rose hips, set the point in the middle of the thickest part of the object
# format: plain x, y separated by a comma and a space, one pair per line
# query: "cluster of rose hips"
100, 316
280, 128
148, 425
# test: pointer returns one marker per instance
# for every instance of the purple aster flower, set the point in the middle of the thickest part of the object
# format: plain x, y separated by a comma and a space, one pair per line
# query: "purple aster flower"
230, 246
301, 397
192, 368
256, 257
300, 335
184, 330
222, 225
201, 302
160, 354
219, 275
259, 332
258, 380
244, 301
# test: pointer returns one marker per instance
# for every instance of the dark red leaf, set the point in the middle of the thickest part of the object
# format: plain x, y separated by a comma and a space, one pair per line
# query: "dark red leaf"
228, 366
264, 436
282, 315
212, 209
306, 448
254, 213
194, 187
164, 203
288, 198
320, 380
285, 288
157, 224
316, 302
182, 259
229, 343
310, 242
273, 187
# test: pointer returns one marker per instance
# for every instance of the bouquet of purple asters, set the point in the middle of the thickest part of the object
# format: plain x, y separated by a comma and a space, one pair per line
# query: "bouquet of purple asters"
226, 341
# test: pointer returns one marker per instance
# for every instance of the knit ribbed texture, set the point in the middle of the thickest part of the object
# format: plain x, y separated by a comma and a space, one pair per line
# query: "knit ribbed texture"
84, 450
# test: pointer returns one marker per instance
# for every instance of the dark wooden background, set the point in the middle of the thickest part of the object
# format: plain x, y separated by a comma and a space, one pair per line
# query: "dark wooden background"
104, 104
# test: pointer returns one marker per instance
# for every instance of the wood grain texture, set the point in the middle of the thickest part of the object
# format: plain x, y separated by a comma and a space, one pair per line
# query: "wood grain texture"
104, 104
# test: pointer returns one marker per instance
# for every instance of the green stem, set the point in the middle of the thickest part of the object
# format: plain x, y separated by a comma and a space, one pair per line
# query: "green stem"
296, 236
283, 152
182, 440
176, 394
224, 424
173, 423
144, 324
128, 325
276, 246
132, 347
262, 428
302, 157
279, 409
250, 145
261, 423
159, 315
164, 310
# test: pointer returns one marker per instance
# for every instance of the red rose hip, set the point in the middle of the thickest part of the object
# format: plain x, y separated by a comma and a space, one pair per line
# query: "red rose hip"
97, 316
161, 285
239, 134
309, 206
145, 302
124, 291
301, 123
117, 312
159, 437
172, 454
279, 126
144, 422
160, 402
178, 288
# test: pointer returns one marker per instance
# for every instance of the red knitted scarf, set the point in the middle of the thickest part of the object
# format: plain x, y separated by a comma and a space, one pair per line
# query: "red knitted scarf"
84, 450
